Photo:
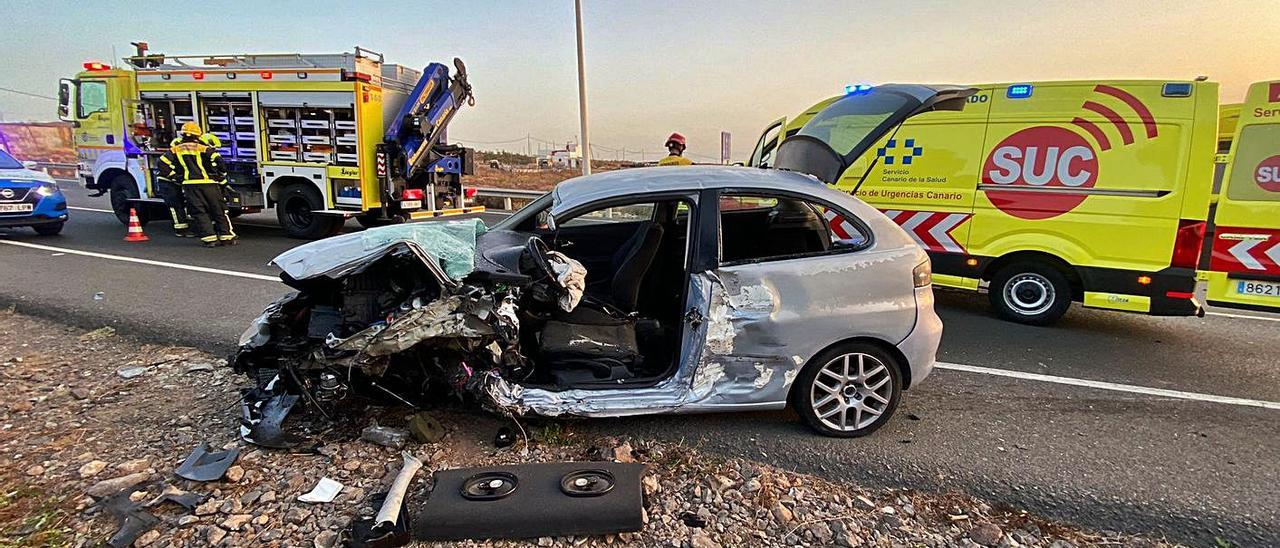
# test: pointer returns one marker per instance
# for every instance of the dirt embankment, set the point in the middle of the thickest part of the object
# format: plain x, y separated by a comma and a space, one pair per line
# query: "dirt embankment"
87, 415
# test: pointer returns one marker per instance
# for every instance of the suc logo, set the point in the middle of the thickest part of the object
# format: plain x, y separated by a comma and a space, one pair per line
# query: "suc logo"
1050, 158
1267, 174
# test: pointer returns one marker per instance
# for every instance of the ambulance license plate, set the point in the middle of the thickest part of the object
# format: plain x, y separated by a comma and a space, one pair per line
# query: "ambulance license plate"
410, 204
16, 208
1262, 289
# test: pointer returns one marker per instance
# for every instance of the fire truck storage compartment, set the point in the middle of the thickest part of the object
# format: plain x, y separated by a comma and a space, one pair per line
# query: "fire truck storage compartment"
164, 113
347, 191
316, 127
229, 117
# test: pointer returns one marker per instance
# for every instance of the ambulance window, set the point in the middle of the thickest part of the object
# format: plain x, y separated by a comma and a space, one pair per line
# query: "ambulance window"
848, 122
756, 228
1255, 171
93, 98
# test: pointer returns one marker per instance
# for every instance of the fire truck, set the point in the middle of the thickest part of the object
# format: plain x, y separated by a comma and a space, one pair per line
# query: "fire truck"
319, 137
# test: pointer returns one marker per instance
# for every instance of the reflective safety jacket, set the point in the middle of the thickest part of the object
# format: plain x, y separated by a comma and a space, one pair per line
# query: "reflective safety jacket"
673, 160
192, 163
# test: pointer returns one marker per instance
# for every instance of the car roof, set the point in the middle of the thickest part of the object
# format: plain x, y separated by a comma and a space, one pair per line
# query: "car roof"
657, 180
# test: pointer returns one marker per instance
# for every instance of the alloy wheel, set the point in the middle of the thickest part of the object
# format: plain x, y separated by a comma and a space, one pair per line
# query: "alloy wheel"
851, 392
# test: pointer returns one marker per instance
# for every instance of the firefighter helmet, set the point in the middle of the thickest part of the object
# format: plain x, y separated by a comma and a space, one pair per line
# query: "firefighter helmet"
192, 129
675, 139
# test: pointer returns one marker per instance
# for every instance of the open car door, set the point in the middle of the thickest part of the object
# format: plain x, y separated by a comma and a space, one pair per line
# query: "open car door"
1244, 269
834, 138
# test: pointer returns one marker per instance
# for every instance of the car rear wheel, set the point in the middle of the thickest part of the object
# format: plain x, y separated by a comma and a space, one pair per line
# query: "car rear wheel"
124, 189
296, 211
49, 229
848, 391
1030, 293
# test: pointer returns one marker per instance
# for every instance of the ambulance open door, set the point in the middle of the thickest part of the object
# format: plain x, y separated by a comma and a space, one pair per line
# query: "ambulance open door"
1244, 268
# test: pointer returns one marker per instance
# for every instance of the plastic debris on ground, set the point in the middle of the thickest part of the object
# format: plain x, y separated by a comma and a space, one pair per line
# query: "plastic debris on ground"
385, 436
205, 465
325, 491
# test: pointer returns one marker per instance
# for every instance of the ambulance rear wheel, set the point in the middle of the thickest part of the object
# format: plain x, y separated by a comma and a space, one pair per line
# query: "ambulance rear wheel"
1030, 293
298, 212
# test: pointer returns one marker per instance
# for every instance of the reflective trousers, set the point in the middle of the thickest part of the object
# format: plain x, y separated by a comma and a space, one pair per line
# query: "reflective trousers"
209, 211
175, 202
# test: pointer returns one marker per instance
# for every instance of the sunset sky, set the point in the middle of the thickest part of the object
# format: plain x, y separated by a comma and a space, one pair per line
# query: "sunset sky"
657, 67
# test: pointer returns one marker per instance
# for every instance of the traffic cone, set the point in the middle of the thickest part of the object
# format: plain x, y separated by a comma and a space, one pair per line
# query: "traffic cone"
135, 228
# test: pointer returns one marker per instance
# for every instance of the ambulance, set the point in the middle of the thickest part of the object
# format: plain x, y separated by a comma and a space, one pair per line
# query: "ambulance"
1244, 268
1045, 193
319, 137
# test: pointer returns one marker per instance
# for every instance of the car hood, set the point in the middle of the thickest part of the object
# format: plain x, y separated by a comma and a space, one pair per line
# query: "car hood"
15, 177
447, 248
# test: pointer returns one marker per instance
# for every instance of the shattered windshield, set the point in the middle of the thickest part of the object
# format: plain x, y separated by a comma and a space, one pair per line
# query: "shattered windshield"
848, 122
452, 244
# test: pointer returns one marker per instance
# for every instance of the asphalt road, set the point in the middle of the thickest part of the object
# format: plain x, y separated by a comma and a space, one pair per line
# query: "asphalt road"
1121, 458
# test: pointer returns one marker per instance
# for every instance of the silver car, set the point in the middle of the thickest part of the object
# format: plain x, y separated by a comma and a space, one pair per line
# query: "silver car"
657, 290
765, 287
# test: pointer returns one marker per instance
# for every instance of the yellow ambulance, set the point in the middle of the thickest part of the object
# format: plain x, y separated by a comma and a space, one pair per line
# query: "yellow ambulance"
1043, 192
1244, 269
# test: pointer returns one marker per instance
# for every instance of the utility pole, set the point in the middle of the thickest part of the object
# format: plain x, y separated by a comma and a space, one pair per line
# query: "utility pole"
582, 95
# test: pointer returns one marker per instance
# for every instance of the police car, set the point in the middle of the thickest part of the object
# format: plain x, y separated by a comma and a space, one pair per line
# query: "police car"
29, 197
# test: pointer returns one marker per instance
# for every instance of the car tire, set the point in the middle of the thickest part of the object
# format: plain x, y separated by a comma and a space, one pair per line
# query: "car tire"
294, 210
123, 189
1030, 293
853, 403
49, 229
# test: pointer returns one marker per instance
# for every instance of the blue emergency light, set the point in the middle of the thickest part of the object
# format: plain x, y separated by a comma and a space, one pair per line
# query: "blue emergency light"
1176, 89
1018, 91
857, 89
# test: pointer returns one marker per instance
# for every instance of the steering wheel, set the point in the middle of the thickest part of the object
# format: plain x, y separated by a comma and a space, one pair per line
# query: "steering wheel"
537, 251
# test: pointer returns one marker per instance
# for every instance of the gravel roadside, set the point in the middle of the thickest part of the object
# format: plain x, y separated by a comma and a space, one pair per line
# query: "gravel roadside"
90, 414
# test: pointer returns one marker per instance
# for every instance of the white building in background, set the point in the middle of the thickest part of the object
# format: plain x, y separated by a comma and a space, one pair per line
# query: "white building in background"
562, 158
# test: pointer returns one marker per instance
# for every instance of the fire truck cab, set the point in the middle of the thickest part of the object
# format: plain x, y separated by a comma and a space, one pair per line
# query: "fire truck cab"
318, 137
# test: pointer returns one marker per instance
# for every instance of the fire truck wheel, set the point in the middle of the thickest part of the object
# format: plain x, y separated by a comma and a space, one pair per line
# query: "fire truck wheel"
1031, 293
296, 212
124, 189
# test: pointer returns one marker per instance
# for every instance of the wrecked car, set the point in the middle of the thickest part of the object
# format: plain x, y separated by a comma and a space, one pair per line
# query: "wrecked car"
657, 290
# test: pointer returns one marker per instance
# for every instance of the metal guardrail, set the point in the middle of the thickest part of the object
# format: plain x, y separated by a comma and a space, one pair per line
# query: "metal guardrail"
508, 195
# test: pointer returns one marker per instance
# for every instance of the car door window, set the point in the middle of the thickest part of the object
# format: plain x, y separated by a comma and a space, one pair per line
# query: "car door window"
631, 213
92, 98
759, 227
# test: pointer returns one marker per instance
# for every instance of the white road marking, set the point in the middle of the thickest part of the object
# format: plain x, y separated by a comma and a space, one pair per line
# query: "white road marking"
1117, 387
1242, 316
94, 209
148, 262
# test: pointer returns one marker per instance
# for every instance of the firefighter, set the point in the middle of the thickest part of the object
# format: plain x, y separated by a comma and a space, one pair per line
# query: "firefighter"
200, 169
171, 192
675, 146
